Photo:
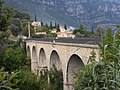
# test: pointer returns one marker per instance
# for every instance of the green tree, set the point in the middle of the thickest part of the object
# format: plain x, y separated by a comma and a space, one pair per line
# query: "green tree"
27, 80
14, 59
58, 28
82, 29
103, 74
56, 79
55, 25
78, 35
35, 18
92, 30
19, 23
52, 35
25, 28
98, 32
65, 27
51, 26
42, 23
46, 25
16, 26
21, 15
75, 31
5, 17
109, 36
46, 29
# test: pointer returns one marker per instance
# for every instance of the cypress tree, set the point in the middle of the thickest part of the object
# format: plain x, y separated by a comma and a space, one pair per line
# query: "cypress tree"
46, 25
65, 27
41, 23
55, 25
51, 26
58, 28
35, 18
92, 30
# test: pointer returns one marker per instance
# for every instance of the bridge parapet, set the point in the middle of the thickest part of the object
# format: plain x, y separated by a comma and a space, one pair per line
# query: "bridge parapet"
85, 45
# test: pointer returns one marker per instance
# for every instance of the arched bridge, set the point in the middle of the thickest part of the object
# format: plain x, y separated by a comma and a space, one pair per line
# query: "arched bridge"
66, 54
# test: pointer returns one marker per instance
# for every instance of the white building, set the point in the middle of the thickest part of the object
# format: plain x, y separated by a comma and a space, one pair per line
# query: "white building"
36, 24
41, 33
66, 34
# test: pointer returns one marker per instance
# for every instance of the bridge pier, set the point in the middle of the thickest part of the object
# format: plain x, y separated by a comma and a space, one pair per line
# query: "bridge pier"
68, 86
40, 69
34, 67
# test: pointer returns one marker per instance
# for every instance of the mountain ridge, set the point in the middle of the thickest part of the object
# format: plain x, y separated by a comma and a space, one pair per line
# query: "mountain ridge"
71, 12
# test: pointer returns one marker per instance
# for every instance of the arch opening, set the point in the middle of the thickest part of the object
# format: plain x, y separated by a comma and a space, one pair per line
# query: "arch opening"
55, 60
28, 52
42, 58
74, 65
56, 71
34, 54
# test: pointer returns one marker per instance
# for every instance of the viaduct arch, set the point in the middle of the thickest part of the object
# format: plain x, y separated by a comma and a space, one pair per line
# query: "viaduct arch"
73, 66
42, 58
55, 60
68, 57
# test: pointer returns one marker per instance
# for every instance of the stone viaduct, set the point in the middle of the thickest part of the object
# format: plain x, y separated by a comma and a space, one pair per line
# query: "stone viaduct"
68, 55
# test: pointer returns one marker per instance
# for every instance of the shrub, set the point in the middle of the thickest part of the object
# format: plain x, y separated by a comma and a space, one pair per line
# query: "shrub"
14, 59
27, 80
8, 81
102, 75
56, 79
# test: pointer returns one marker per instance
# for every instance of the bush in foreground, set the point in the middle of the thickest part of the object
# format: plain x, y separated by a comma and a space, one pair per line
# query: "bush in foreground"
105, 74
